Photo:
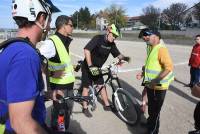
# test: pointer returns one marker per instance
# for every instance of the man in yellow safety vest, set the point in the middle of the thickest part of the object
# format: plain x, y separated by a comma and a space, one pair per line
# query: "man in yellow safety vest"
157, 77
61, 80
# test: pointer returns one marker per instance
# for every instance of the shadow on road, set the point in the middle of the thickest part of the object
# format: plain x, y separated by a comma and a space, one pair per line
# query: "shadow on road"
178, 81
131, 89
136, 129
182, 94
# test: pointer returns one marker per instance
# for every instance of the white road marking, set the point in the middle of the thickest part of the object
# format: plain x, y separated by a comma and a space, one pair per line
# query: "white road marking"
78, 56
181, 63
129, 70
138, 69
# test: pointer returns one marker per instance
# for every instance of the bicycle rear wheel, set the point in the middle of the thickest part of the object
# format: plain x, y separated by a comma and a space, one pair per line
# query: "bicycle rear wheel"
126, 106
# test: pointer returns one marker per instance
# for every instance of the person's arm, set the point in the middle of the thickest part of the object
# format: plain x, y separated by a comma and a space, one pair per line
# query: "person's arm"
196, 90
166, 63
22, 89
21, 119
88, 49
88, 57
47, 48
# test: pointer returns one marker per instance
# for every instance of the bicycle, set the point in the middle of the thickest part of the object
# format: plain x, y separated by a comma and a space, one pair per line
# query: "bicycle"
124, 104
61, 123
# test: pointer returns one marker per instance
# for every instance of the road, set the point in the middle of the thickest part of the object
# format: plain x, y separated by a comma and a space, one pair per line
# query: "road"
177, 111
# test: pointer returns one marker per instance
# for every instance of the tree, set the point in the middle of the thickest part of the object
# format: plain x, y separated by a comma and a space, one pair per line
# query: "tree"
75, 19
197, 12
150, 16
115, 14
83, 18
175, 14
93, 22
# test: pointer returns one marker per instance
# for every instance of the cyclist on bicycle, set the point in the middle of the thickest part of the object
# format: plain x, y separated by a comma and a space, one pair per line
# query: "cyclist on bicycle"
22, 108
96, 53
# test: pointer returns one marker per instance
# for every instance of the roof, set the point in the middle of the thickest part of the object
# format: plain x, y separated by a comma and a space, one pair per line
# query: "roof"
190, 8
133, 18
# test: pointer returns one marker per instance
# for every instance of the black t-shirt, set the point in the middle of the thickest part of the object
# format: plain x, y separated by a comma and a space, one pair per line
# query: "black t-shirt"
66, 41
100, 49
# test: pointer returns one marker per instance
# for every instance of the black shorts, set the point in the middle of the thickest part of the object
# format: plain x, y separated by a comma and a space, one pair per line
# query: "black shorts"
87, 79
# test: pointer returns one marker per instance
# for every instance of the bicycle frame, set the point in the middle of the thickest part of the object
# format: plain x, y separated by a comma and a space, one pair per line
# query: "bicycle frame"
109, 79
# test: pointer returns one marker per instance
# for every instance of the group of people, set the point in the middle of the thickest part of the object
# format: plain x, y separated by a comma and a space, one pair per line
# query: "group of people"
21, 83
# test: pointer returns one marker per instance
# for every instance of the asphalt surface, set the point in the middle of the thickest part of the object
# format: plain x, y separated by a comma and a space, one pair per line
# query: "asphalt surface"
177, 111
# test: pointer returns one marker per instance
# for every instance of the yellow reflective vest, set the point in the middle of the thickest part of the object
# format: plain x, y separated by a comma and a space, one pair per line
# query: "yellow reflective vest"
2, 128
153, 69
65, 64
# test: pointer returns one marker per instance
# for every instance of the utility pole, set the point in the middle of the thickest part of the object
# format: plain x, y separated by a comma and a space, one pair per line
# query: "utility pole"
77, 21
115, 17
159, 21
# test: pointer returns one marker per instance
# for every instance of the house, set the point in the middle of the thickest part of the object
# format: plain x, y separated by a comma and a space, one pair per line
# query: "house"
134, 23
101, 23
189, 19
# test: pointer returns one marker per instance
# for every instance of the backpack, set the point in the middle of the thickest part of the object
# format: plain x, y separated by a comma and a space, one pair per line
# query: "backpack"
44, 62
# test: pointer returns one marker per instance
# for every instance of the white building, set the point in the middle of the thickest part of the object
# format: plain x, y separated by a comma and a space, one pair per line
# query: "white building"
101, 23
189, 19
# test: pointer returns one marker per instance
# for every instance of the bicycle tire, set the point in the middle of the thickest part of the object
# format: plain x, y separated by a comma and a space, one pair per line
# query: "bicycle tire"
129, 111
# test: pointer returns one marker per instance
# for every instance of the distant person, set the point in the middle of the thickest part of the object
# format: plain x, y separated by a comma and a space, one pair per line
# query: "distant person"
96, 53
22, 107
196, 92
194, 63
158, 74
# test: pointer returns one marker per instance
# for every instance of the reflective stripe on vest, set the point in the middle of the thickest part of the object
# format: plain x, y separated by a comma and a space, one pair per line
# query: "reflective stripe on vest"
153, 68
64, 65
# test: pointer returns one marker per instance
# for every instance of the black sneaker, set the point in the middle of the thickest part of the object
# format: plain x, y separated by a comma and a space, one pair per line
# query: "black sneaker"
194, 132
107, 108
86, 112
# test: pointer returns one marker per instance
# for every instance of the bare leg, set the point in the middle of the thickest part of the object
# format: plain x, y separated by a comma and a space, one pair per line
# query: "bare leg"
104, 96
85, 93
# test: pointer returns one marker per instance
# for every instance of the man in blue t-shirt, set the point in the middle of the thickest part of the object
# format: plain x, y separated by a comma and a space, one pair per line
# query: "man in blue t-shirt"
20, 79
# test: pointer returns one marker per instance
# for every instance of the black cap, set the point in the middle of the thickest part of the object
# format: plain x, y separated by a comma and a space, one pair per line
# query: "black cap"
143, 32
154, 32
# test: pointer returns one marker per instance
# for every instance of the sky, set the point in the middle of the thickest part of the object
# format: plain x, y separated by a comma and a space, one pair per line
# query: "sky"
68, 7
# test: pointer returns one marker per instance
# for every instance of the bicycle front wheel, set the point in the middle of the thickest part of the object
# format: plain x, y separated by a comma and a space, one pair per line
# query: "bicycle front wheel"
126, 106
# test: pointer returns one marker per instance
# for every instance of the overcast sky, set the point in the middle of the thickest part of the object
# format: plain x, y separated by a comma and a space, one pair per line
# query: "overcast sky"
68, 7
